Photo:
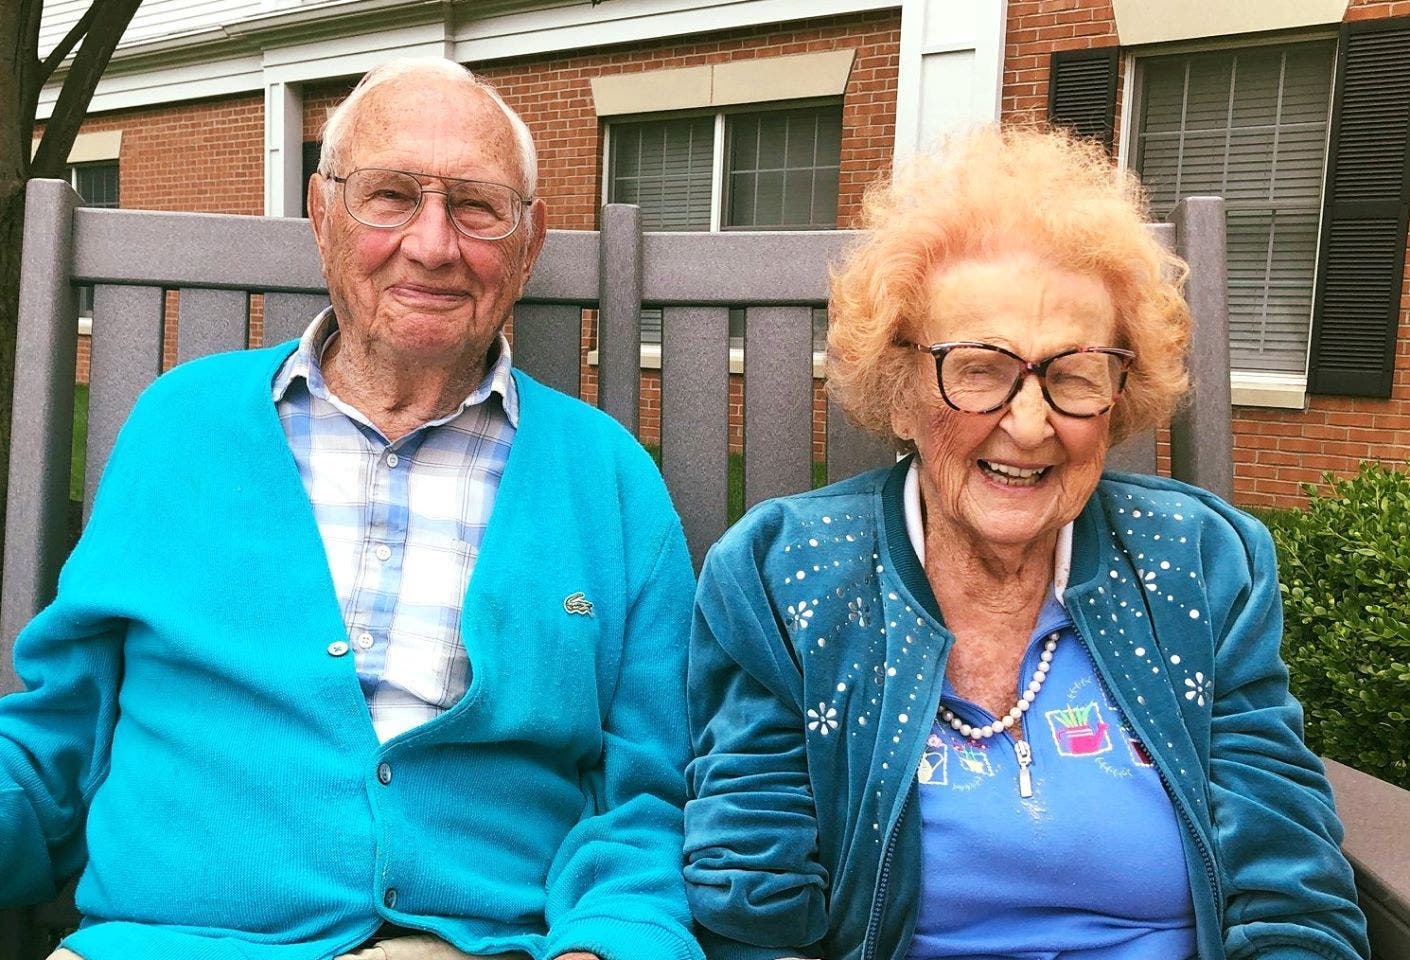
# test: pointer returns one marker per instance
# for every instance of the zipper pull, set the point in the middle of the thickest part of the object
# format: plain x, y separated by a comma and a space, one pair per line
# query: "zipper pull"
1025, 760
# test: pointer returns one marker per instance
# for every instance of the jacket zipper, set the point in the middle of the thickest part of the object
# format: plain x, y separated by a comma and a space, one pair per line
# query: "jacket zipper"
1206, 857
883, 879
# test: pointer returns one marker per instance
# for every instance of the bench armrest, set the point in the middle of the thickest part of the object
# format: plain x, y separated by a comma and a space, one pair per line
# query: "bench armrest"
1376, 815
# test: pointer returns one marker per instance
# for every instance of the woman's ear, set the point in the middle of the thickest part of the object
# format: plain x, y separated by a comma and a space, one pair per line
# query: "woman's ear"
903, 421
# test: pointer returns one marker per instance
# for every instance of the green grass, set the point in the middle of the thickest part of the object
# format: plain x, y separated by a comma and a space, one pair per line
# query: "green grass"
80, 440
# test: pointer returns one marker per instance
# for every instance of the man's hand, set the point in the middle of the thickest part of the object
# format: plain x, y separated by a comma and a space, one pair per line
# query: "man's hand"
577, 955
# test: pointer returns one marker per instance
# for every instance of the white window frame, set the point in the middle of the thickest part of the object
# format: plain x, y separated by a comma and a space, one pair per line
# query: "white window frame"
1248, 388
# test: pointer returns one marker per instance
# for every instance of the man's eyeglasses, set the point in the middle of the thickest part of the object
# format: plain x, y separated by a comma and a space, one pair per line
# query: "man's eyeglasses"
390, 198
981, 378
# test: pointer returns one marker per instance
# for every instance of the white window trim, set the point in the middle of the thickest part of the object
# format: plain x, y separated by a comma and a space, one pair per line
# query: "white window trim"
1139, 21
651, 360
1283, 391
1248, 388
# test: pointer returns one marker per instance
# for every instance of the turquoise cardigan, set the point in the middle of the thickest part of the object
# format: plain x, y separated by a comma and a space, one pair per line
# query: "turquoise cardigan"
189, 742
803, 833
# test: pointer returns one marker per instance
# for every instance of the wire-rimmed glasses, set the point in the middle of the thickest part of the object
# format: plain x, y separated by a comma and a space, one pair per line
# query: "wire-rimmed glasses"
981, 377
388, 199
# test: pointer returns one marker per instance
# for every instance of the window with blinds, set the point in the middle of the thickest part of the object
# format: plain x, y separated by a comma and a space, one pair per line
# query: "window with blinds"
1251, 126
97, 186
783, 169
780, 172
666, 168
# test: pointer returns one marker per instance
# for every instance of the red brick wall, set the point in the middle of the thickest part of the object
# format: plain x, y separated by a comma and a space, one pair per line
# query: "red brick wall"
1275, 451
1037, 29
205, 157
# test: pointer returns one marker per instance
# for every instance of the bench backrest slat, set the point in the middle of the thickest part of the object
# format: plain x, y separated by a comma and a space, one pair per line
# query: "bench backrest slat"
126, 357
212, 321
778, 406
287, 314
695, 405
548, 343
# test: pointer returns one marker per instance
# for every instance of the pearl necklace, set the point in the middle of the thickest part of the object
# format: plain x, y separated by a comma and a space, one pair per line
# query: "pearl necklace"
1045, 660
1006, 722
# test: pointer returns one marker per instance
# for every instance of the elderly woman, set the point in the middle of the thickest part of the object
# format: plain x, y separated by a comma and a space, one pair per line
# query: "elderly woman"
988, 703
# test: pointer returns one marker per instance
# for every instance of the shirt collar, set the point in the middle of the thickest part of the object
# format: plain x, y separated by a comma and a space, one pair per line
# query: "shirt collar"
306, 363
915, 529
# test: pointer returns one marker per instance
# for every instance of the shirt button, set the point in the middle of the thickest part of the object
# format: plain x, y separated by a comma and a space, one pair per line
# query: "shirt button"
337, 648
364, 641
384, 774
393, 459
383, 552
390, 897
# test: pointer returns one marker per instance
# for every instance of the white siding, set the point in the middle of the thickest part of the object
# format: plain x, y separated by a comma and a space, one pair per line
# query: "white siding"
155, 19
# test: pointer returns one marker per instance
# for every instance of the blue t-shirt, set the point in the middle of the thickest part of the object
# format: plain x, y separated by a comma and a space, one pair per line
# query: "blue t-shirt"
1091, 867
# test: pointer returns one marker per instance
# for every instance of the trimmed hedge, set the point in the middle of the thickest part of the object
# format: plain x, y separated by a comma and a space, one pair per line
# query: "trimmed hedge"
1344, 566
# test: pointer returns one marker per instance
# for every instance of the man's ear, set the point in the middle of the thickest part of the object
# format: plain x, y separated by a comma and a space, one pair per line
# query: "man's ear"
318, 209
536, 222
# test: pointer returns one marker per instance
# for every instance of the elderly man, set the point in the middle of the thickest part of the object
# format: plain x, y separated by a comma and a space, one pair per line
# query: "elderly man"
373, 645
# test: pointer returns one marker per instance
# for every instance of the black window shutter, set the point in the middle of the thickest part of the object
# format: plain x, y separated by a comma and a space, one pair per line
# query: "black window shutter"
1361, 256
1082, 92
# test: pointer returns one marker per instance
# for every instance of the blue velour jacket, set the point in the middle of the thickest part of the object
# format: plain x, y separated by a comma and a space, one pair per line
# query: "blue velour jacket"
815, 670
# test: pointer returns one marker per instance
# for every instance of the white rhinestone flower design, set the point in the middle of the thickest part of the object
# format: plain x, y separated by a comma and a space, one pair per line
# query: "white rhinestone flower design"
823, 719
798, 616
1199, 687
859, 612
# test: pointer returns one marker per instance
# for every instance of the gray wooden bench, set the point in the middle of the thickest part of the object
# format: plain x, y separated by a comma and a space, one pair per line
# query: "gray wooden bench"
217, 263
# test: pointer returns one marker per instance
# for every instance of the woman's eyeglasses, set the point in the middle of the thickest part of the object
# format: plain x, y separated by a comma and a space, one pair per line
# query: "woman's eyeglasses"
981, 377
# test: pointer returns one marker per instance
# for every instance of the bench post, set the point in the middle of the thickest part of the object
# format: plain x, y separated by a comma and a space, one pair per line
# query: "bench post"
619, 313
42, 420
1202, 434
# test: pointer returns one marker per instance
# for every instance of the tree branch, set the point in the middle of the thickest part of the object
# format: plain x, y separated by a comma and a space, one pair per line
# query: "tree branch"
56, 56
106, 29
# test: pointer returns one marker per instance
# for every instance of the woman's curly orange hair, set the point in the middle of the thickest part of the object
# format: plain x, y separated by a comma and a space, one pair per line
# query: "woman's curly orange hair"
989, 193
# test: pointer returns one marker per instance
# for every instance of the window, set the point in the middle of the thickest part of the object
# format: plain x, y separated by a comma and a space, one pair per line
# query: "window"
97, 185
774, 170
1251, 126
783, 169
311, 153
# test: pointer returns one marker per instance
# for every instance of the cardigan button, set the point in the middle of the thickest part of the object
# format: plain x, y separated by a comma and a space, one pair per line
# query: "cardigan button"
390, 897
337, 648
384, 773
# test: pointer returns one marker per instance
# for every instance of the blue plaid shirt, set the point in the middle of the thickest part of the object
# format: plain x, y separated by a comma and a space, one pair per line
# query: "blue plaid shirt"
401, 523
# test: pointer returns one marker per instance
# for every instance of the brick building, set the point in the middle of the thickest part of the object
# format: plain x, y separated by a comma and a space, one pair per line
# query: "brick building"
774, 114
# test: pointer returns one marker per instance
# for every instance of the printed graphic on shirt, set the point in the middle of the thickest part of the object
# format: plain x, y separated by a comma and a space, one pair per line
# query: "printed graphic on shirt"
972, 758
1079, 731
934, 765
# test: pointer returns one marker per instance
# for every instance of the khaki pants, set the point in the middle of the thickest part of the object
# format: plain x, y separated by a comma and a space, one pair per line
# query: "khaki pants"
419, 947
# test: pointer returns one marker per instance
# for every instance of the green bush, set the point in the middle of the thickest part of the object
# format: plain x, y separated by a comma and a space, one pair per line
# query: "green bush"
1344, 563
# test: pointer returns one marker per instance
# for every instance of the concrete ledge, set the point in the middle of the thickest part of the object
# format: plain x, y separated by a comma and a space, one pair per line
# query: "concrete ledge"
1377, 819
1280, 391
